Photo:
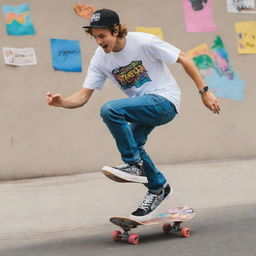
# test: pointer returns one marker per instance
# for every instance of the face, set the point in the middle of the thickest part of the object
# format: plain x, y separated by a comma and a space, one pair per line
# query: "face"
105, 39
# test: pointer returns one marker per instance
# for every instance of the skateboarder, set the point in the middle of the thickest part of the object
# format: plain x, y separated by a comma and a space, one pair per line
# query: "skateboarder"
136, 63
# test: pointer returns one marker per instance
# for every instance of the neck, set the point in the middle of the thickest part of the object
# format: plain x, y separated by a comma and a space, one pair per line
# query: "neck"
120, 43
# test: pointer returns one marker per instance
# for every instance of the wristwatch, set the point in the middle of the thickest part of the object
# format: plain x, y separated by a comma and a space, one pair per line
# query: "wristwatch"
205, 89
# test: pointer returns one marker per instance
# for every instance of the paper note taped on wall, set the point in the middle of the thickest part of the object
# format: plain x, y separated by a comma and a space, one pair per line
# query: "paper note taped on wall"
85, 11
19, 57
246, 37
17, 20
151, 30
66, 55
241, 6
214, 65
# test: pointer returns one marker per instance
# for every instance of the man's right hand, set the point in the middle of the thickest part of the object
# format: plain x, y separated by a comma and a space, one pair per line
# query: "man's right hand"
54, 100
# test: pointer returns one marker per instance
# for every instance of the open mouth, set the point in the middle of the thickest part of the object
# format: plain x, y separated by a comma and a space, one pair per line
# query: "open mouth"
105, 46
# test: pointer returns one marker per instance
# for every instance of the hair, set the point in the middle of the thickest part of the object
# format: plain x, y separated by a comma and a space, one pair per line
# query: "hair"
121, 29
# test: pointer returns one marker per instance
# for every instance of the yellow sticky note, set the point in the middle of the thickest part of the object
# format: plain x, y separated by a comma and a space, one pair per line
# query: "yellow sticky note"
151, 30
246, 37
199, 50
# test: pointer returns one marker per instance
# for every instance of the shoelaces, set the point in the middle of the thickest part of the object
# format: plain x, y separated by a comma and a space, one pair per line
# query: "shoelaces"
122, 166
149, 198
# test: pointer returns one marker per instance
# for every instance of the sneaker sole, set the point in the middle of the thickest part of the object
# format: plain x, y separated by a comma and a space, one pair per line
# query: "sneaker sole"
152, 214
122, 177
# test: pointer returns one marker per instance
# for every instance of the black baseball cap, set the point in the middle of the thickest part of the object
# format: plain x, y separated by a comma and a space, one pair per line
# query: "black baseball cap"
104, 18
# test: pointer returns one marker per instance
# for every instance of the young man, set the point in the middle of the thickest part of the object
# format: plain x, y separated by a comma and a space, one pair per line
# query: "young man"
135, 62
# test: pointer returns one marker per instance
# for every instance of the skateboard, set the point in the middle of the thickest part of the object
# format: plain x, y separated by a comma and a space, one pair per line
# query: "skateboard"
172, 220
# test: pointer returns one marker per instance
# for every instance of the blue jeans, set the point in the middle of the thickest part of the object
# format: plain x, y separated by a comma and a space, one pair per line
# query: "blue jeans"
130, 121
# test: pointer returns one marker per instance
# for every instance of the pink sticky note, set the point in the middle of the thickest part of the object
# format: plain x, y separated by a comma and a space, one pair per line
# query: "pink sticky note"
199, 20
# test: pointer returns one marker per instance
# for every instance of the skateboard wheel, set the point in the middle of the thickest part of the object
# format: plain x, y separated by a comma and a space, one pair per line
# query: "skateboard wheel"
117, 235
134, 239
185, 232
167, 227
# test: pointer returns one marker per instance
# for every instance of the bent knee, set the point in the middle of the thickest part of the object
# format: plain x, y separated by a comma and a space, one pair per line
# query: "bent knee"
107, 110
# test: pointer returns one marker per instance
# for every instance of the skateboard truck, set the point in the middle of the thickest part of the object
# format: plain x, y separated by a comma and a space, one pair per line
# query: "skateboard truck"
175, 228
131, 238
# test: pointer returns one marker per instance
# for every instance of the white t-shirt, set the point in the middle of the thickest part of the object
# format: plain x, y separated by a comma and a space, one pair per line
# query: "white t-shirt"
138, 69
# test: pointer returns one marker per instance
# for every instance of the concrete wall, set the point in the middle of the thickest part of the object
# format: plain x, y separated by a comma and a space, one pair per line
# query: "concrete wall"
38, 140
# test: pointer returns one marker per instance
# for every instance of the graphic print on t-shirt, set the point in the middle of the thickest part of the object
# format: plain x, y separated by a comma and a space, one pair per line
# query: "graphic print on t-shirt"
131, 75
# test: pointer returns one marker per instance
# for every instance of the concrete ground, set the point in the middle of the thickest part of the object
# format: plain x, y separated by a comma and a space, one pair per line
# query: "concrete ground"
40, 209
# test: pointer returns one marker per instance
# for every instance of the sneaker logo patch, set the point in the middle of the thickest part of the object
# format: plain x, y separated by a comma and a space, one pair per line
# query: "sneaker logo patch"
131, 75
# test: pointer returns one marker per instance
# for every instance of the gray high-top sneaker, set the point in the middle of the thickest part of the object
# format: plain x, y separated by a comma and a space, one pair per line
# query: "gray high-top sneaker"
126, 173
147, 209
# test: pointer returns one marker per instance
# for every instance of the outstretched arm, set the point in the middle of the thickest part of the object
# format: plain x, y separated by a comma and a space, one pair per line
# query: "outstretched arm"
76, 100
208, 98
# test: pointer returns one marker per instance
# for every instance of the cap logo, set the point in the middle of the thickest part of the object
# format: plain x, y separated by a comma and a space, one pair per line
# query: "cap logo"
95, 17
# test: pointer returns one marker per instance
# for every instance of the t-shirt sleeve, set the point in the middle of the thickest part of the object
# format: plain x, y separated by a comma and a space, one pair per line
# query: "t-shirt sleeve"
163, 51
95, 78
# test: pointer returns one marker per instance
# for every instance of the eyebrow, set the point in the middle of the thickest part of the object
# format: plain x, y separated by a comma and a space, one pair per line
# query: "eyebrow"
101, 34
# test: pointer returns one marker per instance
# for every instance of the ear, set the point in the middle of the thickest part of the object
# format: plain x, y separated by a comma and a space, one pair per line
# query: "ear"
116, 30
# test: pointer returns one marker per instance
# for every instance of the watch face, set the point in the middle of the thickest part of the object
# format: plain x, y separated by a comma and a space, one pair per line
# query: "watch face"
204, 89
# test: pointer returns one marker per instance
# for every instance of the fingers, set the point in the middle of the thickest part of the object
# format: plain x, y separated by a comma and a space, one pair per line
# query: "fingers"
50, 98
215, 107
211, 102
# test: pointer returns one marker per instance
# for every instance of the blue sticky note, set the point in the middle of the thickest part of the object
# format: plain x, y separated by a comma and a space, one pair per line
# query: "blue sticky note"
18, 20
66, 55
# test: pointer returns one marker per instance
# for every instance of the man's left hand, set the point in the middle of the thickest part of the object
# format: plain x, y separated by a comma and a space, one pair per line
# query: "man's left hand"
211, 102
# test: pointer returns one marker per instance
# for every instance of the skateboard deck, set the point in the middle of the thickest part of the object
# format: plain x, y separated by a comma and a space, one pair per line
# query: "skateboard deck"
175, 216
